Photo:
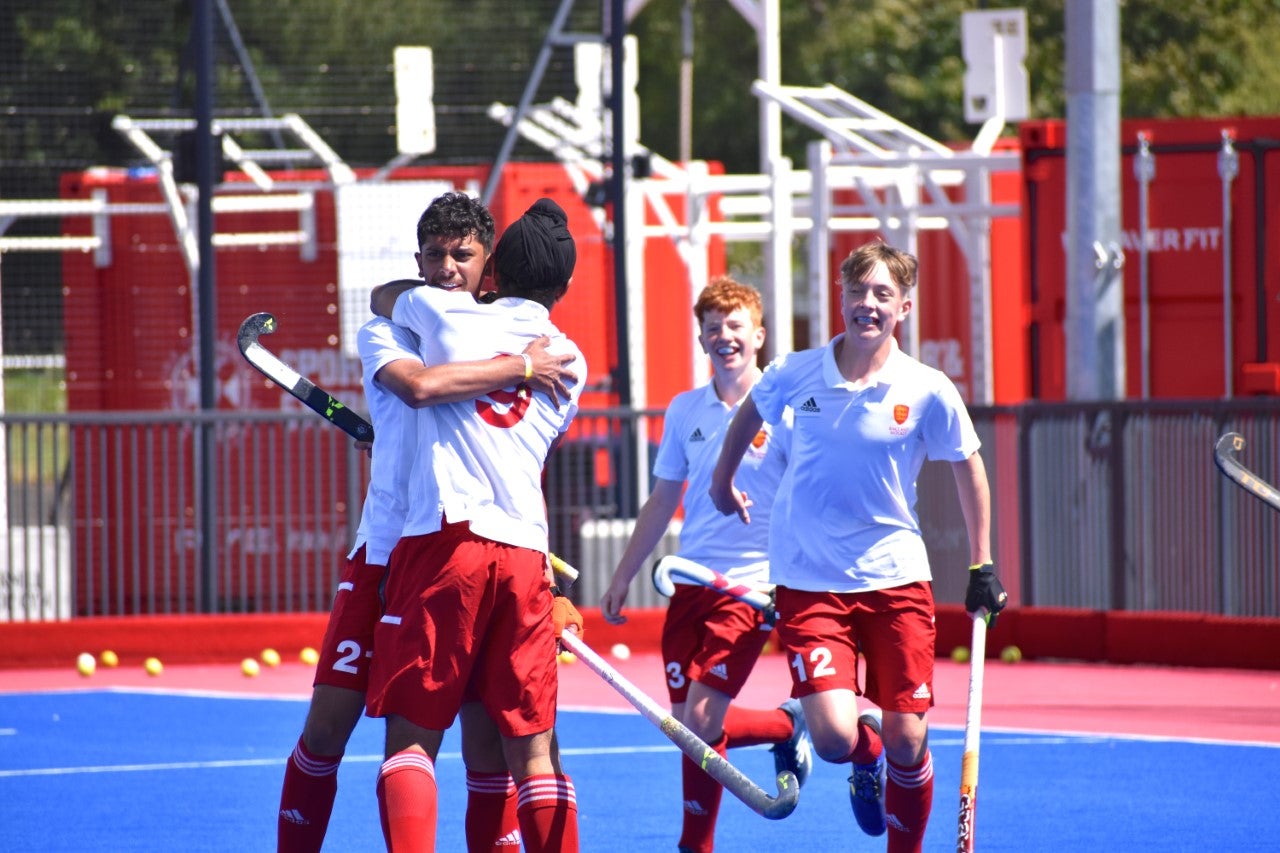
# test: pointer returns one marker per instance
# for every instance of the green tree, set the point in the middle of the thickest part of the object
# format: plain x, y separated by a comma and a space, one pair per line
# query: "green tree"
1184, 59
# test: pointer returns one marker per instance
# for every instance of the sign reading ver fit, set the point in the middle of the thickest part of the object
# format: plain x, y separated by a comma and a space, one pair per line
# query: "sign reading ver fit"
377, 239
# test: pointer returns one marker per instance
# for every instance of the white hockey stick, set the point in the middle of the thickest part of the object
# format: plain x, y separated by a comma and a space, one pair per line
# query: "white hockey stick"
1224, 452
972, 731
671, 567
715, 765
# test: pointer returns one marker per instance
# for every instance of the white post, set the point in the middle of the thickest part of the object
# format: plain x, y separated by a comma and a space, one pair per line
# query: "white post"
777, 254
819, 272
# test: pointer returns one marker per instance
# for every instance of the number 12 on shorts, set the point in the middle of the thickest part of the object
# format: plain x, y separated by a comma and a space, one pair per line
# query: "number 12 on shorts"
820, 664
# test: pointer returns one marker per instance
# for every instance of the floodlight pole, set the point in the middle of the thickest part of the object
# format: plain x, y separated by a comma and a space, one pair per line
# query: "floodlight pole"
617, 25
1095, 260
207, 311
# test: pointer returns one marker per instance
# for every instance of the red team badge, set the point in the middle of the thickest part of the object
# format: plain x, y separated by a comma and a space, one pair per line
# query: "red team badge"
760, 439
516, 403
900, 413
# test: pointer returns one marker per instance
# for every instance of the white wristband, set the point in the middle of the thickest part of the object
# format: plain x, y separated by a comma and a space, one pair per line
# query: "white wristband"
528, 366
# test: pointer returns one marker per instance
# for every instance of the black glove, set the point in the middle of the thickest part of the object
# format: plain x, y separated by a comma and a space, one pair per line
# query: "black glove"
985, 592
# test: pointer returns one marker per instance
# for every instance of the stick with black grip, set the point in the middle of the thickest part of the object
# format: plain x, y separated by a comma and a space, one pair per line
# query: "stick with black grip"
315, 399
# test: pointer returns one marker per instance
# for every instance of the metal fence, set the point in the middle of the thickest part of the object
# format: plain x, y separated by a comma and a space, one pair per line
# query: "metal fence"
1113, 506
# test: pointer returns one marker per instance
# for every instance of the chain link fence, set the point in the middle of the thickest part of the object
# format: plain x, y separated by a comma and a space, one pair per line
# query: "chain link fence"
68, 69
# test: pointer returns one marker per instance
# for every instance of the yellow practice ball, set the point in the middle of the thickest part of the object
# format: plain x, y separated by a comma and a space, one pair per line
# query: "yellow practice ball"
85, 664
271, 657
109, 658
1011, 654
566, 657
249, 667
153, 666
309, 656
960, 654
621, 651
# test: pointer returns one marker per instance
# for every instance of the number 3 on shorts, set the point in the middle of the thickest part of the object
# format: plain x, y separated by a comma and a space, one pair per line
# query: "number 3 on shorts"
819, 660
675, 677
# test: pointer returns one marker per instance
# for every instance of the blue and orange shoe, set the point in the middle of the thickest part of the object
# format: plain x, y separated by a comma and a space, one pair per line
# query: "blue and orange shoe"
866, 785
796, 752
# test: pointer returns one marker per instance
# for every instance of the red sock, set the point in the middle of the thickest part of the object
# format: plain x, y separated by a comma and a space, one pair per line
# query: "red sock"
702, 796
492, 826
868, 747
548, 812
745, 727
908, 797
407, 802
306, 800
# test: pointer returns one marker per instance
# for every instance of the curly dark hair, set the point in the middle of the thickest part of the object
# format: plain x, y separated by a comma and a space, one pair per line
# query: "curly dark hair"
455, 214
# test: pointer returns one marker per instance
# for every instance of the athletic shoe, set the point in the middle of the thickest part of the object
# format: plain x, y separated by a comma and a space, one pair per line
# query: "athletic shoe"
866, 785
796, 752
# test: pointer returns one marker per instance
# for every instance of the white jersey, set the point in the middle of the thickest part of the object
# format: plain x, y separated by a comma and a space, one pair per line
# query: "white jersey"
379, 343
844, 519
693, 430
481, 460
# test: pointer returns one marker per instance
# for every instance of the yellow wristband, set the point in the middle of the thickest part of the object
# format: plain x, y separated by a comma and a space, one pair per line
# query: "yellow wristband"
528, 366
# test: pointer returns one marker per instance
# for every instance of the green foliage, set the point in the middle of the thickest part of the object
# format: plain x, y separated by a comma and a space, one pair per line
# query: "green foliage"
35, 391
1193, 58
1200, 58
1190, 58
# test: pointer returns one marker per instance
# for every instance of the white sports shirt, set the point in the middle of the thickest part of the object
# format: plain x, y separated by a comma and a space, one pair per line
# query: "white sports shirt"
481, 460
379, 343
693, 430
844, 519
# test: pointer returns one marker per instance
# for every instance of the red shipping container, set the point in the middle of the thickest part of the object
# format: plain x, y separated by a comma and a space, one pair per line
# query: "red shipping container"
1187, 241
130, 334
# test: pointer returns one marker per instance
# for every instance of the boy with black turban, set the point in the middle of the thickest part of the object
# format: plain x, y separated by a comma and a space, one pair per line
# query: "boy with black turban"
468, 604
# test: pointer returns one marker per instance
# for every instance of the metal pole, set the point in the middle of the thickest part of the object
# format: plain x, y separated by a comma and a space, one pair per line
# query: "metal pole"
1228, 168
526, 98
686, 82
1095, 299
617, 26
208, 309
1144, 169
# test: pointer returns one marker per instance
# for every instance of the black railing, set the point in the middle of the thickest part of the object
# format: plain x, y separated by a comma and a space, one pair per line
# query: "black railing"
1100, 506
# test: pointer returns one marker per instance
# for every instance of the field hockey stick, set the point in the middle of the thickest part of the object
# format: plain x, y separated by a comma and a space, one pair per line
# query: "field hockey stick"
714, 764
566, 575
972, 730
1231, 443
315, 399
671, 567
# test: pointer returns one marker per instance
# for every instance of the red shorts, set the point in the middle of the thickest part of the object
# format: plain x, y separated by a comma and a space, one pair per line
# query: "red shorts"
823, 633
465, 616
348, 639
710, 638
